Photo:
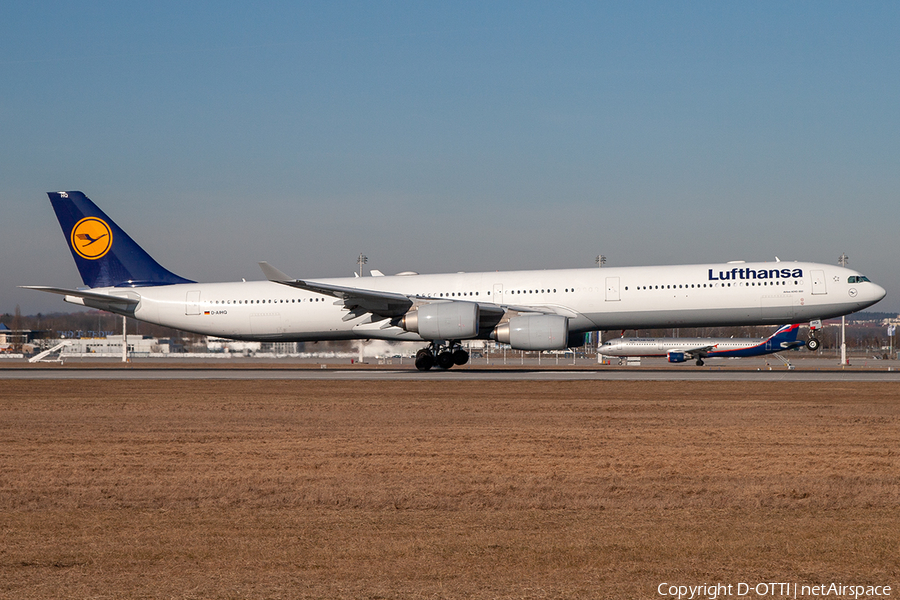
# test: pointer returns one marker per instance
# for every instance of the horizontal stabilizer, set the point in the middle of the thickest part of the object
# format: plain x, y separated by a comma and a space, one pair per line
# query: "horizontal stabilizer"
83, 294
122, 303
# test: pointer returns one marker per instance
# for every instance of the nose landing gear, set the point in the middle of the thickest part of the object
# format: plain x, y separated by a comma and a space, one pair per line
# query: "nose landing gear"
443, 355
813, 343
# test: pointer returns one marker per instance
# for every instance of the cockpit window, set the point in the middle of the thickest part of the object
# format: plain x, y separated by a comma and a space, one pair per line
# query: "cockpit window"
857, 279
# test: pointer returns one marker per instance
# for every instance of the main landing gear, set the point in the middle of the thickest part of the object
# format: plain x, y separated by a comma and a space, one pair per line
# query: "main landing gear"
699, 361
441, 355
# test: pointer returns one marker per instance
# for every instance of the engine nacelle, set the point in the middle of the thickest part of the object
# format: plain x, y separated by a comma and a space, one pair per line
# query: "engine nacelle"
534, 332
676, 357
443, 321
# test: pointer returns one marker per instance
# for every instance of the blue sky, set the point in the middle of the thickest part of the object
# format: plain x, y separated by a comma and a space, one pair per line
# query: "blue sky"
451, 137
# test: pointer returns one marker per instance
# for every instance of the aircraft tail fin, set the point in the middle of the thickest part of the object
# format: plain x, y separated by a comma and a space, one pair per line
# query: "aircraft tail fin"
105, 255
785, 335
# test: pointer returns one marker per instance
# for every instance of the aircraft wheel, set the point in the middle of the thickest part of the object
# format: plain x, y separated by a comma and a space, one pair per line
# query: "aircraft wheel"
699, 362
813, 344
460, 356
424, 359
445, 360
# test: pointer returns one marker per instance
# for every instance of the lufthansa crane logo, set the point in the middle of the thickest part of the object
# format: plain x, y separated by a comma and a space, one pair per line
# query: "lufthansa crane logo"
91, 238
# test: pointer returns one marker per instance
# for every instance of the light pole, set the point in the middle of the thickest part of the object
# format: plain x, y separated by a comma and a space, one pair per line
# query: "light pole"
600, 260
363, 259
843, 260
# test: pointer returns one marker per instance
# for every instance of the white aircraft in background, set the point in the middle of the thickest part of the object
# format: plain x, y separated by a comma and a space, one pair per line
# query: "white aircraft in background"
529, 310
678, 350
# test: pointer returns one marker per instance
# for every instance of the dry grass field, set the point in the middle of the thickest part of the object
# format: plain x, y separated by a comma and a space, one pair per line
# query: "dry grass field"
302, 489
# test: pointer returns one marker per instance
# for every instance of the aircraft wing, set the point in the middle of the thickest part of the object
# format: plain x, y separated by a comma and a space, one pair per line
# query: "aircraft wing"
695, 350
387, 304
384, 304
544, 310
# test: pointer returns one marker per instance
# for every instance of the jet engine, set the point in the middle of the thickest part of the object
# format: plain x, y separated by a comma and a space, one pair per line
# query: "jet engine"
676, 357
443, 321
534, 332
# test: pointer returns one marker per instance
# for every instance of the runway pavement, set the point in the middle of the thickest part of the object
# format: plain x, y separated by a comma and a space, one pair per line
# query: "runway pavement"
389, 372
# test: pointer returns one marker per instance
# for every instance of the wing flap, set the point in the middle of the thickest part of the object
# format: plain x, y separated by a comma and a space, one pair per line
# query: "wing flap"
696, 350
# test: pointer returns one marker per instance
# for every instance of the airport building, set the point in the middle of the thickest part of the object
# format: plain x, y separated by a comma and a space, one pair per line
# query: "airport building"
112, 346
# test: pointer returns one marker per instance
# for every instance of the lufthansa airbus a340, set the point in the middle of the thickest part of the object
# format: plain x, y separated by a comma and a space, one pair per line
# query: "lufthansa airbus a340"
529, 310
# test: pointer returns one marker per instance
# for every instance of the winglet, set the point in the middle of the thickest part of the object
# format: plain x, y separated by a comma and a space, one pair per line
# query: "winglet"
273, 274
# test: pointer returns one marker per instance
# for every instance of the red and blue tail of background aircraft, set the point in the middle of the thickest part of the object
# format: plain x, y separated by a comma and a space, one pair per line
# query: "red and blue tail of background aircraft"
783, 339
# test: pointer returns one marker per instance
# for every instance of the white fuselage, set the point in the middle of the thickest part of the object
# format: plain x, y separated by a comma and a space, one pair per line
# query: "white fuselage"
592, 299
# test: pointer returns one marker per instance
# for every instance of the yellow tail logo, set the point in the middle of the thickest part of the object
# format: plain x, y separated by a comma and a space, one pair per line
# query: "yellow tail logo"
91, 238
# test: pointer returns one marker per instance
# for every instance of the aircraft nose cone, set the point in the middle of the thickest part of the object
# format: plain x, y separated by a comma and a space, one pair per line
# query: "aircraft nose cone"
872, 294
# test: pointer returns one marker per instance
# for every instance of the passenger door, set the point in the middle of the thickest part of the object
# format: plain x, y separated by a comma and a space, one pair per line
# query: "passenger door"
818, 281
612, 289
192, 303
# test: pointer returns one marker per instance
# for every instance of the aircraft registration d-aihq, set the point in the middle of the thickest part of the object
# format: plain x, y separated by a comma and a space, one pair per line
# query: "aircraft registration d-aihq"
528, 310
